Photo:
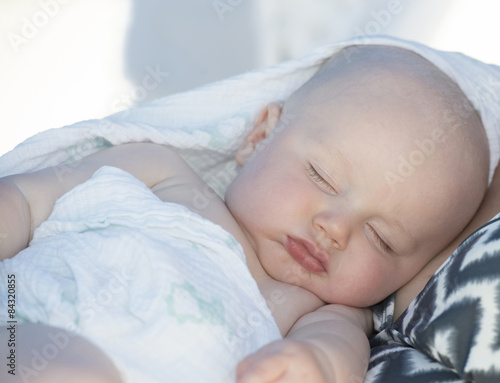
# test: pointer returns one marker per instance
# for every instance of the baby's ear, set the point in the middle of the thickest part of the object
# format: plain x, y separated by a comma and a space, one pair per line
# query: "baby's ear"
265, 123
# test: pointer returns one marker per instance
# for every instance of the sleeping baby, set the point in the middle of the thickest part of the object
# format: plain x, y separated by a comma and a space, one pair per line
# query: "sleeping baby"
345, 193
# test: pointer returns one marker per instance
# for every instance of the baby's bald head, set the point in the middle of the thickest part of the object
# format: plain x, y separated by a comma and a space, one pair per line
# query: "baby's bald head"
402, 104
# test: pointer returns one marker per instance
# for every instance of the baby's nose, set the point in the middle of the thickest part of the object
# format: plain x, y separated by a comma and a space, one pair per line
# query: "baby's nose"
336, 228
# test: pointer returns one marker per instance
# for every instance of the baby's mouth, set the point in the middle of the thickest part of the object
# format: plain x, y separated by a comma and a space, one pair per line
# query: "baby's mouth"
306, 254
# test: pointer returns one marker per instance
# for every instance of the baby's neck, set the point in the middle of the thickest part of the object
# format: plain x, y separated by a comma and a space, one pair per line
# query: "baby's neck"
287, 302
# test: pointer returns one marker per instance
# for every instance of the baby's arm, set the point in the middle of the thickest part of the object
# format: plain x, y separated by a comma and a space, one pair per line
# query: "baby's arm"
26, 200
328, 345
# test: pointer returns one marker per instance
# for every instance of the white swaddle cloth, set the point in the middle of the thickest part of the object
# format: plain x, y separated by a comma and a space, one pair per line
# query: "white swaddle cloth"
165, 293
207, 125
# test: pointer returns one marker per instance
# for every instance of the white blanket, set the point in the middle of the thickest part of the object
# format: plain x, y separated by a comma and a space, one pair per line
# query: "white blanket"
164, 292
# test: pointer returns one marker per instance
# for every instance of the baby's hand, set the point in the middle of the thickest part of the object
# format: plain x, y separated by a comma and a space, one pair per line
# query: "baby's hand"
286, 361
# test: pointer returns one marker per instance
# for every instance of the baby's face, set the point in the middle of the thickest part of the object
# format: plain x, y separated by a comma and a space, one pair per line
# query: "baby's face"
322, 205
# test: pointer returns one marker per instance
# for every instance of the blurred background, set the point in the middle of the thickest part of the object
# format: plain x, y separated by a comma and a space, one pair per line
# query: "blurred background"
63, 61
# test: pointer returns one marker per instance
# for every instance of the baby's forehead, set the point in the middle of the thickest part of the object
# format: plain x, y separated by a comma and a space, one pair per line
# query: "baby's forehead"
390, 110
379, 86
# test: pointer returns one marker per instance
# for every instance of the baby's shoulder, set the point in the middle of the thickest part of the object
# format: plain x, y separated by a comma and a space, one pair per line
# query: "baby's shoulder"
287, 302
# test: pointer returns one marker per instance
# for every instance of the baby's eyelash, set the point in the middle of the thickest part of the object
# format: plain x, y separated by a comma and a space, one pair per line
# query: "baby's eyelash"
385, 247
317, 178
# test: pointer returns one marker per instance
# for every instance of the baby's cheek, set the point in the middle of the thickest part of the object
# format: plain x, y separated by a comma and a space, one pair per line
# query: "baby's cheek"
375, 280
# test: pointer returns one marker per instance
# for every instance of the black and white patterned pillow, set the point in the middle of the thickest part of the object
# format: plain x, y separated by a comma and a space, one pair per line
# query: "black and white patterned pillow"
451, 331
